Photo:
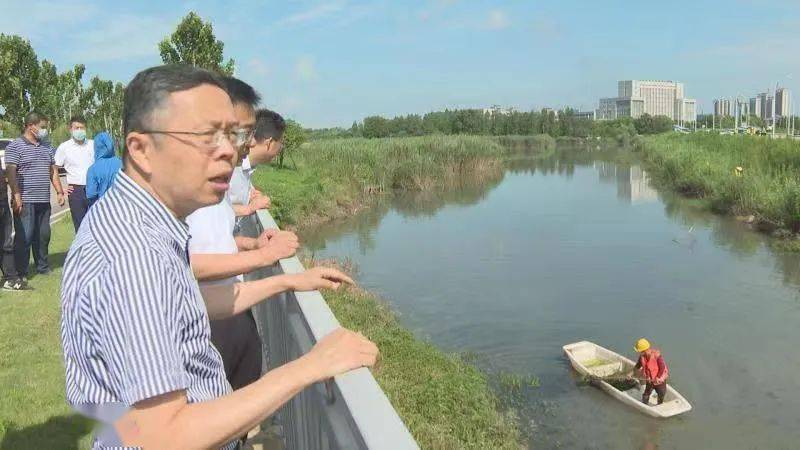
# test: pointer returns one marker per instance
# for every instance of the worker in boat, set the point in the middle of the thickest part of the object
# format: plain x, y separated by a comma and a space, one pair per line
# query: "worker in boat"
654, 370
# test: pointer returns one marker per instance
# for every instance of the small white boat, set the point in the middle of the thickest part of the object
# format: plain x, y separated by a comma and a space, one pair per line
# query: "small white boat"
590, 359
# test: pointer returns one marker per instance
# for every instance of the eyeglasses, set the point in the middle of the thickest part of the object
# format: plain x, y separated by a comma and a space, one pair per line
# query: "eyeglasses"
244, 135
212, 139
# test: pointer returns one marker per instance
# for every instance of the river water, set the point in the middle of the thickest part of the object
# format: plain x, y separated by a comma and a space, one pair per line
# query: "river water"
580, 246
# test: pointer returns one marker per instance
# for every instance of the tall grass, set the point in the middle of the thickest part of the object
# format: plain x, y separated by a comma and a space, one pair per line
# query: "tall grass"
705, 166
333, 177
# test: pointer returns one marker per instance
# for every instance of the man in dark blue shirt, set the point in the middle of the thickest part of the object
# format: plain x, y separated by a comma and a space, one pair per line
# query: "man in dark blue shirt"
31, 170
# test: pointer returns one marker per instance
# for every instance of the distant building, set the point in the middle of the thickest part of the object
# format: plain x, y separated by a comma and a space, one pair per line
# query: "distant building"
591, 115
755, 106
497, 109
552, 111
769, 107
782, 98
685, 110
765, 106
656, 98
722, 107
744, 108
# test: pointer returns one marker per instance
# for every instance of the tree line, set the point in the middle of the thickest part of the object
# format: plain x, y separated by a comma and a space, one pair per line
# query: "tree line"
29, 83
479, 122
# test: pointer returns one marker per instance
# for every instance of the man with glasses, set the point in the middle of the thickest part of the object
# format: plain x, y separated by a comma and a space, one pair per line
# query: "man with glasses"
134, 324
220, 258
268, 142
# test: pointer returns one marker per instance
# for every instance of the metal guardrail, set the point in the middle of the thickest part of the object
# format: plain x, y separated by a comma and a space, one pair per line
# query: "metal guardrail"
348, 412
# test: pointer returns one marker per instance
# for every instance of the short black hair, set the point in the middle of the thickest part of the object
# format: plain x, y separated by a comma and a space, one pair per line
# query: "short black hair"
241, 92
34, 117
77, 118
151, 87
269, 124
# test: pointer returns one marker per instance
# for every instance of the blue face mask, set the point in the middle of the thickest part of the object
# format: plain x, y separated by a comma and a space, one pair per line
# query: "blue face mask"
79, 135
41, 134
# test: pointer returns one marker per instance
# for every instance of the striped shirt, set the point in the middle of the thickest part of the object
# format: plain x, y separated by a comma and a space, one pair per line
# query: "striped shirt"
34, 162
134, 324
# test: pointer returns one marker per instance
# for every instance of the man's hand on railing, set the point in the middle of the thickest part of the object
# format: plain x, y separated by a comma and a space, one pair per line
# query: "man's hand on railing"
341, 351
259, 201
275, 245
318, 278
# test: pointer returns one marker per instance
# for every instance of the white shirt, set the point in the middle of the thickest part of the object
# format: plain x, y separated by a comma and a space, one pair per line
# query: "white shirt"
75, 159
239, 191
211, 230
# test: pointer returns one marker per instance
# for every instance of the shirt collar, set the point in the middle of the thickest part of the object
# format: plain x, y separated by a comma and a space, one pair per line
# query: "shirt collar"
246, 163
36, 144
153, 208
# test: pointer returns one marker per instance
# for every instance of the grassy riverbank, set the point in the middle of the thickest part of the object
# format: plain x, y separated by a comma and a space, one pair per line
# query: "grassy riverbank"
445, 402
327, 179
767, 186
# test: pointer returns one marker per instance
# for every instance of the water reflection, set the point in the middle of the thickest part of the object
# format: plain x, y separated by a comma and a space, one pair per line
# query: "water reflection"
409, 205
633, 183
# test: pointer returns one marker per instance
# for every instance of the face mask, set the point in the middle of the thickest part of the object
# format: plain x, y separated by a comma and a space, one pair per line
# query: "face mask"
41, 134
79, 135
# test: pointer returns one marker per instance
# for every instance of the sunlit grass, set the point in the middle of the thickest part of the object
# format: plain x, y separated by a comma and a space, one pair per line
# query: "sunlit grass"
740, 175
33, 408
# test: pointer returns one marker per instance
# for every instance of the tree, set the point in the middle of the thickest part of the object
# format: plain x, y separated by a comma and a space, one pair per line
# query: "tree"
375, 127
647, 124
104, 106
193, 42
293, 137
19, 67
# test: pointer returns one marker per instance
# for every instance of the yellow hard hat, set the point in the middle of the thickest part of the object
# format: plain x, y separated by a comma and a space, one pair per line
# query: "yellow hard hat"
642, 345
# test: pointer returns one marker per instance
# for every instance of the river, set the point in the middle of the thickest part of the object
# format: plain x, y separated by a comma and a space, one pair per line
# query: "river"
580, 246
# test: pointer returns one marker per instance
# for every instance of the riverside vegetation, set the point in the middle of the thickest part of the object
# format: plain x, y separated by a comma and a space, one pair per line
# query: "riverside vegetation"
751, 177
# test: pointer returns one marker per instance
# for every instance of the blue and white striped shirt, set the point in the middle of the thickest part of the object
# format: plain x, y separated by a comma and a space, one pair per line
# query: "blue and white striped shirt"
134, 324
34, 162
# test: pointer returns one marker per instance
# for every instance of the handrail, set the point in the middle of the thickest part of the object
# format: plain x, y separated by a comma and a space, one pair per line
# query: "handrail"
349, 411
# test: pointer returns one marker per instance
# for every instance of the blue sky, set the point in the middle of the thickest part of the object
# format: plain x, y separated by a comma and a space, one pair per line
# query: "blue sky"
329, 62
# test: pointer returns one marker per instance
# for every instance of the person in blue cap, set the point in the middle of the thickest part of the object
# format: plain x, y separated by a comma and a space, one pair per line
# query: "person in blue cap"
102, 173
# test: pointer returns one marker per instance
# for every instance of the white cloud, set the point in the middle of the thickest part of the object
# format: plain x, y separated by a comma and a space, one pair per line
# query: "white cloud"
319, 11
497, 20
34, 19
83, 31
126, 37
259, 67
305, 69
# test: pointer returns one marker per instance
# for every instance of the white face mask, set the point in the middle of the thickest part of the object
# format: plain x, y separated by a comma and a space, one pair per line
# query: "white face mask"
41, 134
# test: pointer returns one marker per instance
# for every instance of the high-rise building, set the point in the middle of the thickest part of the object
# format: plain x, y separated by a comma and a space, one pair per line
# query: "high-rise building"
782, 102
769, 107
722, 107
744, 108
765, 110
755, 106
656, 98
685, 110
